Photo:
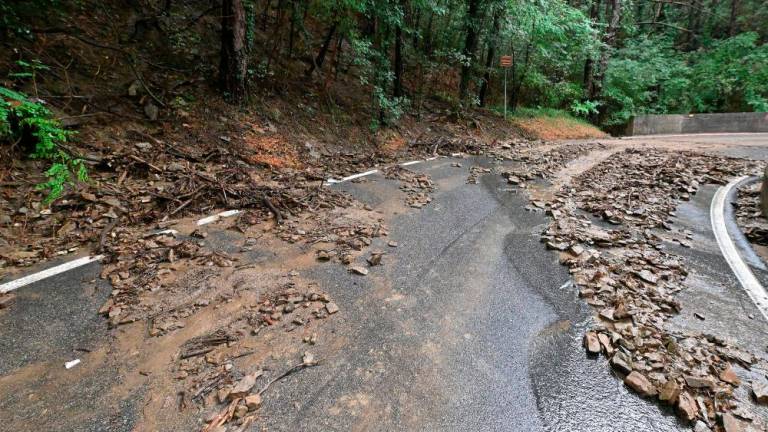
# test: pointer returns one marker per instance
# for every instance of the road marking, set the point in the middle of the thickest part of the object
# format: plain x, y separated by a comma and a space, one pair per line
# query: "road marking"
354, 176
411, 163
217, 216
331, 181
35, 277
748, 281
26, 280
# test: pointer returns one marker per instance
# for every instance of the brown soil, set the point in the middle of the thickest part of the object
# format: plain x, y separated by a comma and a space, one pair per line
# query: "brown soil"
557, 128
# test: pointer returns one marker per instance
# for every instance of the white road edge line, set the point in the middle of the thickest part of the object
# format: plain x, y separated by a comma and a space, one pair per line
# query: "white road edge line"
217, 216
411, 163
354, 176
331, 181
35, 277
745, 276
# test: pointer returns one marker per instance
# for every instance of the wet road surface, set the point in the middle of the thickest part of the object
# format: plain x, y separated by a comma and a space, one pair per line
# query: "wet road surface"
469, 325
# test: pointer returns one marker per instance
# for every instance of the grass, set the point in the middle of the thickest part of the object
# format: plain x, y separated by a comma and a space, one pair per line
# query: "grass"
551, 124
528, 113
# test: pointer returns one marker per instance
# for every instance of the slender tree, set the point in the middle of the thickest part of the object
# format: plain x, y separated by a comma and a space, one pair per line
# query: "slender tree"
471, 27
491, 55
234, 53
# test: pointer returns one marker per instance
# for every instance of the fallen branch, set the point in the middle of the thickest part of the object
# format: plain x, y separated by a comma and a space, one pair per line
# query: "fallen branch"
138, 159
305, 364
273, 209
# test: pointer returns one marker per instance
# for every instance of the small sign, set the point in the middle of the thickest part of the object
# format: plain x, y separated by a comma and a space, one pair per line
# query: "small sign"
506, 61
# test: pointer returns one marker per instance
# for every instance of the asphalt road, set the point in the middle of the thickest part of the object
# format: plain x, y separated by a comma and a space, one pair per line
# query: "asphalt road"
470, 324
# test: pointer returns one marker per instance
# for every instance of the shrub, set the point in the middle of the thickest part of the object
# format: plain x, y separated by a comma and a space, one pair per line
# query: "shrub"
22, 119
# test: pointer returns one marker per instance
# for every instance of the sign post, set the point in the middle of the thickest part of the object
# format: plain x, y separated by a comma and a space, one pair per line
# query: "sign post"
506, 63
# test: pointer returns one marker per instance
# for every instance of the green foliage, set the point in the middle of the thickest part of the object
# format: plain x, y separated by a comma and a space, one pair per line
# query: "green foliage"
28, 69
539, 112
584, 108
21, 118
732, 75
375, 71
646, 76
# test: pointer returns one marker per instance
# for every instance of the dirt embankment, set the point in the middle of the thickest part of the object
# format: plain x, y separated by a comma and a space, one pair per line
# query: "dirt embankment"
556, 128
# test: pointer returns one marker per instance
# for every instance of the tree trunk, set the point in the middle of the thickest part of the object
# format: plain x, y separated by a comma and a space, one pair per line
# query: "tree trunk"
292, 30
733, 25
399, 66
234, 53
694, 25
517, 83
318, 63
427, 43
589, 64
491, 54
613, 13
470, 46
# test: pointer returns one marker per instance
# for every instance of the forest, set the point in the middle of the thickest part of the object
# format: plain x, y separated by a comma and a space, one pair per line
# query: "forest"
600, 60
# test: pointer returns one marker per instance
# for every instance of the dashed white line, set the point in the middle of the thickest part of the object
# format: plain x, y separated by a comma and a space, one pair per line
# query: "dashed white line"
26, 280
748, 281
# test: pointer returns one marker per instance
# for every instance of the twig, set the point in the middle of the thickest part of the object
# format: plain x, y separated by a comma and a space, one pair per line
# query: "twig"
178, 209
196, 353
138, 159
290, 371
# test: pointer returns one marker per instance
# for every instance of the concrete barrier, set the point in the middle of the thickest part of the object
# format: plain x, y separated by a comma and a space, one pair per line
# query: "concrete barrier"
698, 123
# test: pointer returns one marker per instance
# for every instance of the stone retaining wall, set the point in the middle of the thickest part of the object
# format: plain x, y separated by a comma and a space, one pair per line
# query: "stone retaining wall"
698, 123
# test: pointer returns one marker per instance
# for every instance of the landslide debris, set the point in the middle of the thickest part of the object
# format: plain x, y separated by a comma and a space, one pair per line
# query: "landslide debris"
609, 225
417, 187
749, 217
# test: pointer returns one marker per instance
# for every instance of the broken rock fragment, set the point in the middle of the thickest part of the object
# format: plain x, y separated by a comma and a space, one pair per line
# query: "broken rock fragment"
362, 271
331, 308
686, 407
729, 375
669, 392
253, 402
760, 391
244, 386
639, 383
591, 343
621, 362
731, 424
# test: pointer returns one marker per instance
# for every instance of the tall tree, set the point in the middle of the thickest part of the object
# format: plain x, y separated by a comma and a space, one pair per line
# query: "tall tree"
589, 64
491, 54
613, 14
471, 28
733, 24
398, 63
234, 52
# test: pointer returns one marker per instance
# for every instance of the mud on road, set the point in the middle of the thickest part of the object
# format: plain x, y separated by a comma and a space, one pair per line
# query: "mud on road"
388, 310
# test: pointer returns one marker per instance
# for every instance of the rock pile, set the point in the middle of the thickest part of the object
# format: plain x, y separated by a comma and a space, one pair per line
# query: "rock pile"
748, 215
417, 187
620, 268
